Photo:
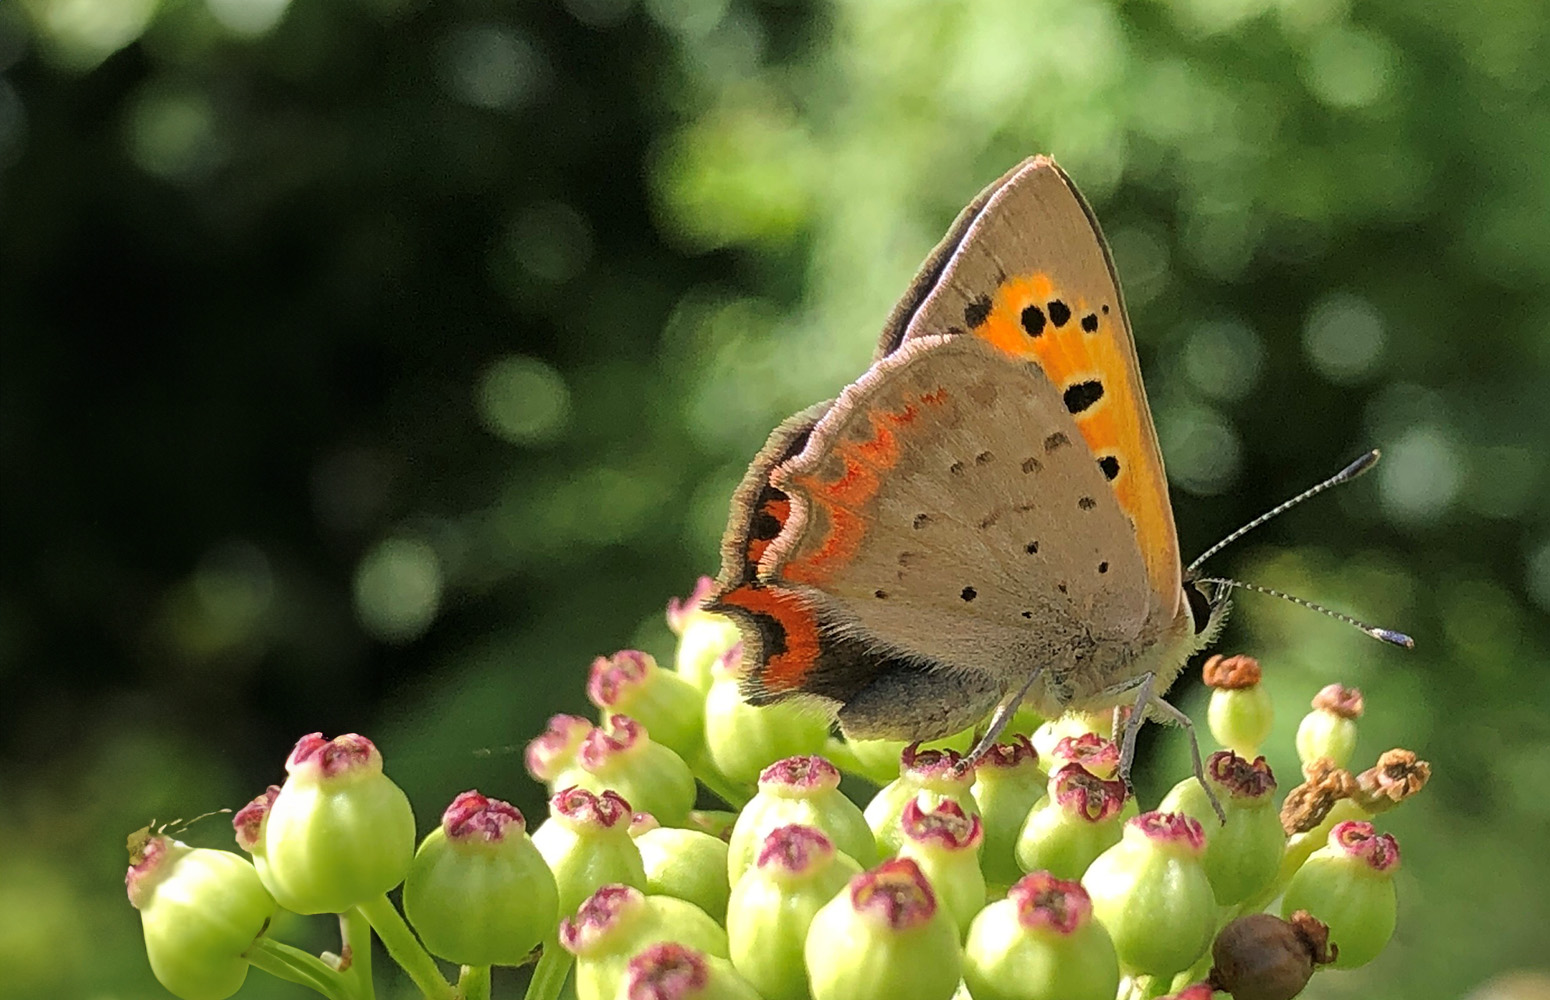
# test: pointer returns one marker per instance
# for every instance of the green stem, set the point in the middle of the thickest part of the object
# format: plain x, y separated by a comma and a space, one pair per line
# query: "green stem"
355, 933
723, 788
473, 983
296, 966
549, 976
405, 948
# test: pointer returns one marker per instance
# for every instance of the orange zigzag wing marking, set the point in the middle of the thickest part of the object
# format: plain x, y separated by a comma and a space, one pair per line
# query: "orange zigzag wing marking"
1081, 347
842, 499
780, 633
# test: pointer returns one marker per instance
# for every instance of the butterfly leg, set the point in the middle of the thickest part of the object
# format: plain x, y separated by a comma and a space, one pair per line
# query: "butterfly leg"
1002, 716
1167, 713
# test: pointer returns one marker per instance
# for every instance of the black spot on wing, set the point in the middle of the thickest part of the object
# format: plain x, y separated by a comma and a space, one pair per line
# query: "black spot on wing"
1081, 396
1090, 322
1033, 321
1110, 466
1056, 440
1087, 503
968, 594
1059, 313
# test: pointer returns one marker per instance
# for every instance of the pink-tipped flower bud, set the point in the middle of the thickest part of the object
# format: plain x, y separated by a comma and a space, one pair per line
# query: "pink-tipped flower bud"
1008, 783
554, 751
945, 842
339, 832
803, 790
772, 907
630, 683
1040, 943
1329, 731
200, 910
1244, 850
884, 937
1152, 893
248, 822
703, 638
622, 756
1080, 819
933, 777
616, 922
465, 875
1096, 754
586, 844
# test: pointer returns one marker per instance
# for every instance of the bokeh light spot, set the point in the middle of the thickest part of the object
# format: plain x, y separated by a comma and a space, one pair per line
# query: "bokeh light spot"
82, 33
1202, 448
1346, 67
1223, 359
398, 589
548, 240
248, 18
1537, 576
1420, 475
490, 66
1344, 337
523, 401
172, 133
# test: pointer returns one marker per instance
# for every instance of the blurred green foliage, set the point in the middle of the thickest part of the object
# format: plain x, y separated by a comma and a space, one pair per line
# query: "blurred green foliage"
373, 364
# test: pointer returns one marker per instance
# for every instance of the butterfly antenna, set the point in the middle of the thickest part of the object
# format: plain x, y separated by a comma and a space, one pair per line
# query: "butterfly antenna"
1345, 475
1381, 634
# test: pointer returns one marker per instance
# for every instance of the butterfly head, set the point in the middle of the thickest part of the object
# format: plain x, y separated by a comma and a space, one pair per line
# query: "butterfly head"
1207, 604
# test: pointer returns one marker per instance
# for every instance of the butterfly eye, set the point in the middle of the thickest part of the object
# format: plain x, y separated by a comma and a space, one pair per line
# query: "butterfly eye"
1199, 607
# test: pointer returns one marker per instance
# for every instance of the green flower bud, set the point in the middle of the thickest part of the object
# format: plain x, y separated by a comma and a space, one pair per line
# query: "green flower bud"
1349, 885
1244, 853
884, 938
1151, 893
478, 892
200, 910
1239, 714
1040, 943
670, 707
1262, 957
687, 864
1330, 729
703, 638
1094, 753
929, 776
339, 832
1072, 724
1007, 784
772, 906
744, 739
945, 842
649, 776
586, 844
557, 749
617, 921
801, 790
671, 971
1079, 820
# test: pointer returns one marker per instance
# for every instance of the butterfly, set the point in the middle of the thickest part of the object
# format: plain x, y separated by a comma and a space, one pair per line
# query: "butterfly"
981, 520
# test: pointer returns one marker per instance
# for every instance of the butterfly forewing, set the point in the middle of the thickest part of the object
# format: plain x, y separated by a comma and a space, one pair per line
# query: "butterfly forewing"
946, 502
1026, 270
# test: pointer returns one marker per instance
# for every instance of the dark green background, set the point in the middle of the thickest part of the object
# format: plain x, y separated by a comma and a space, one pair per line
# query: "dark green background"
373, 364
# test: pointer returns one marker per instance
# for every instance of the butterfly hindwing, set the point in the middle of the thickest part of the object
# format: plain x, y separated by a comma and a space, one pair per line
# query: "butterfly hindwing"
946, 503
1027, 270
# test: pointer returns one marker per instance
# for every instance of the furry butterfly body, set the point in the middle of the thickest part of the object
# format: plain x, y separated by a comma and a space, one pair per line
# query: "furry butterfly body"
981, 519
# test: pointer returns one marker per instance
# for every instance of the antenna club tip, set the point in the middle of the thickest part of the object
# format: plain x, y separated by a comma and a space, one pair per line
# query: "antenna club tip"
1392, 637
1359, 466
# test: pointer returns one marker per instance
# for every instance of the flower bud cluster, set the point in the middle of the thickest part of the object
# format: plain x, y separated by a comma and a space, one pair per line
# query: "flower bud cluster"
1031, 873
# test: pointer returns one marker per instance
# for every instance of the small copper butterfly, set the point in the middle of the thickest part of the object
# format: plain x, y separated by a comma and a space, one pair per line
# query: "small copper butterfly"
982, 519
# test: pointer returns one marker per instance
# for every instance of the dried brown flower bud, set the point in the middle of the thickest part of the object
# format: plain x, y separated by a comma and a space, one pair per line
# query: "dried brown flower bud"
1307, 804
1262, 957
1231, 672
1397, 776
